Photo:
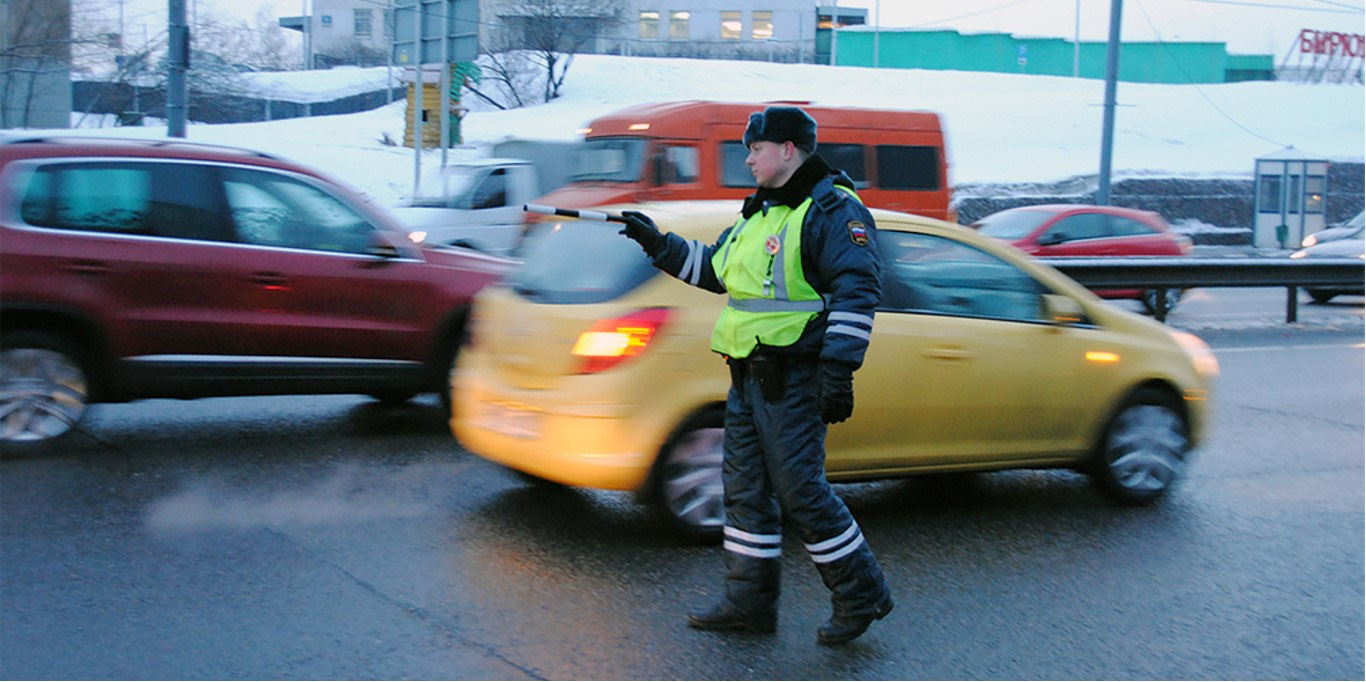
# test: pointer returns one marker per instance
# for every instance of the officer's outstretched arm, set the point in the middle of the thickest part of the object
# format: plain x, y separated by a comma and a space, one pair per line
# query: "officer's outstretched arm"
687, 259
849, 264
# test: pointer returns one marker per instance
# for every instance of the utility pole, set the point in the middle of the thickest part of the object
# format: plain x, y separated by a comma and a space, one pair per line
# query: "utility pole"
1107, 128
877, 30
418, 82
391, 32
1076, 43
178, 55
308, 34
834, 33
444, 84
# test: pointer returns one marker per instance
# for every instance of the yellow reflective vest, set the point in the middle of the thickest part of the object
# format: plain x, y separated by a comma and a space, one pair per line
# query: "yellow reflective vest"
760, 265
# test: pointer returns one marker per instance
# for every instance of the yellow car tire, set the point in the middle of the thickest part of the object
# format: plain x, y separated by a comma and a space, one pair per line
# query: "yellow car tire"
685, 489
1143, 449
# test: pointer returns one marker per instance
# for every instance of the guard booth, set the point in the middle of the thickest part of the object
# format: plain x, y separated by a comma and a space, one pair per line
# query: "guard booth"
1288, 198
431, 105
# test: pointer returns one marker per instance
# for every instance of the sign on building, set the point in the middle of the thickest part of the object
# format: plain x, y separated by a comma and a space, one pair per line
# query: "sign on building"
1324, 57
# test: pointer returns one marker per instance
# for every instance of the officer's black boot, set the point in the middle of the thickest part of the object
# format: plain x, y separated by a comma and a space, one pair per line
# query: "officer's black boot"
843, 628
723, 616
751, 602
858, 593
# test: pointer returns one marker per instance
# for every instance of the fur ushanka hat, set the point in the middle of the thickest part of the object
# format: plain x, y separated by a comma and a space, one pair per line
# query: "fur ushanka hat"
782, 124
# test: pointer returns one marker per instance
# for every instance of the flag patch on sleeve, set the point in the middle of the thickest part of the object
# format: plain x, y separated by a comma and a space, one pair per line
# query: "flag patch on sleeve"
858, 232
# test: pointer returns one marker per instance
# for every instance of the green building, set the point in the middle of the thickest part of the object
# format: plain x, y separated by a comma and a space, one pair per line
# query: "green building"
1141, 62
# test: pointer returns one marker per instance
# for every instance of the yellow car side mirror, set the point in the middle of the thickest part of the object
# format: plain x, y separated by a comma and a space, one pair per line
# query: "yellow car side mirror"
1062, 310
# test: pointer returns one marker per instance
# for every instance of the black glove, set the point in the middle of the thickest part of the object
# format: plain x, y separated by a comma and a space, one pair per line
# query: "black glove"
640, 228
837, 393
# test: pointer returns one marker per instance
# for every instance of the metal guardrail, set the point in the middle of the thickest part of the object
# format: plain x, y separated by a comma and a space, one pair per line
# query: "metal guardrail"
1163, 273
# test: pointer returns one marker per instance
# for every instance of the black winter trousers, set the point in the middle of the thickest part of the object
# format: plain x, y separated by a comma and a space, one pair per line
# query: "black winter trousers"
774, 468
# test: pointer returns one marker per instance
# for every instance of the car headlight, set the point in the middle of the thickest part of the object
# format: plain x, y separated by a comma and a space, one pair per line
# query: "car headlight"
1299, 254
1206, 365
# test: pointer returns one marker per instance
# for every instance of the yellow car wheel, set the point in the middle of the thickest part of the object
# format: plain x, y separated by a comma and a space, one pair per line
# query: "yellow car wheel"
1143, 449
687, 488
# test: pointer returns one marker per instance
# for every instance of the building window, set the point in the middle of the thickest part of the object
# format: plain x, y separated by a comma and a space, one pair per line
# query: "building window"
362, 22
389, 20
649, 25
762, 25
678, 24
828, 21
730, 25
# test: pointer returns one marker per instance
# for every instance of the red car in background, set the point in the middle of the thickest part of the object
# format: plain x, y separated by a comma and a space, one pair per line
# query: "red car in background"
1059, 230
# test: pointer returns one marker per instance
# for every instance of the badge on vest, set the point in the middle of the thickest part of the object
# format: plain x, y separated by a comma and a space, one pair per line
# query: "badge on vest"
772, 244
858, 232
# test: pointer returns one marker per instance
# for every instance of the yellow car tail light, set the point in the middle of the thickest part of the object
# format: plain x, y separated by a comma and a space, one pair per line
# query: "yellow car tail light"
610, 341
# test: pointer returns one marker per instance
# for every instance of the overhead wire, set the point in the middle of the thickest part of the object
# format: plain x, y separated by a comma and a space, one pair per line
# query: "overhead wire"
988, 10
1191, 81
1348, 8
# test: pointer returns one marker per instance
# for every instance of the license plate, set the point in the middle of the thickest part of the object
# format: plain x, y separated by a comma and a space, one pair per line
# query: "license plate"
511, 420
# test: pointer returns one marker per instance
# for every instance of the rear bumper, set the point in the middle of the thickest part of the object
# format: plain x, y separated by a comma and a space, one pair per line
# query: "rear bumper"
587, 445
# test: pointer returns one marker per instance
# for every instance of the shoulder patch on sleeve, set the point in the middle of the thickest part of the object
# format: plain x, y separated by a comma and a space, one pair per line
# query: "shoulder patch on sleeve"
858, 232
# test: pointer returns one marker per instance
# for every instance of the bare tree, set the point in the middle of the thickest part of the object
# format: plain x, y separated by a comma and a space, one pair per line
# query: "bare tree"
509, 76
551, 32
351, 52
35, 42
261, 45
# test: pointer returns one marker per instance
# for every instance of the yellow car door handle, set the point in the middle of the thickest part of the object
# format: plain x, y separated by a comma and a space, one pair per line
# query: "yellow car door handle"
949, 353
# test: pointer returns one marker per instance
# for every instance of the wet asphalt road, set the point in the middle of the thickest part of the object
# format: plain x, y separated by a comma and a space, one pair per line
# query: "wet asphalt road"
333, 537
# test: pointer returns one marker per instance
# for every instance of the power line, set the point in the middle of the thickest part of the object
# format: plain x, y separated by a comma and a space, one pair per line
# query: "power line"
1338, 4
988, 10
1192, 83
1348, 10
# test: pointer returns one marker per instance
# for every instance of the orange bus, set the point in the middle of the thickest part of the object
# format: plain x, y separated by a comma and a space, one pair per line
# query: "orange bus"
692, 150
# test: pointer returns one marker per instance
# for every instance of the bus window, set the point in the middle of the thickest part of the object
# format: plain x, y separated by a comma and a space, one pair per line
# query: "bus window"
680, 164
845, 157
734, 172
906, 167
609, 159
848, 158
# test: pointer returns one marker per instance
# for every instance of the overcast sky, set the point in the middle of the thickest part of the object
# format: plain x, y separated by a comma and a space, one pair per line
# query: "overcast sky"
1247, 26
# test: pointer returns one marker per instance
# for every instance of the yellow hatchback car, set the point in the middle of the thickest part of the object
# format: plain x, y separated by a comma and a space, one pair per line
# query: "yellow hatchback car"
588, 367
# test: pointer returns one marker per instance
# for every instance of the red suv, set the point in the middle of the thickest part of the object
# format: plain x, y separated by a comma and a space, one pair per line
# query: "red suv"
1054, 230
137, 269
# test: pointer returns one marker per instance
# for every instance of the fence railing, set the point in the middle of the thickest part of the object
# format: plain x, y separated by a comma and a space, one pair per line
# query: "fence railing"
1162, 274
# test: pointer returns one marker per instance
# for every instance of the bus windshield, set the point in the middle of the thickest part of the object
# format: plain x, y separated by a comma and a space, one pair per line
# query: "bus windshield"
609, 159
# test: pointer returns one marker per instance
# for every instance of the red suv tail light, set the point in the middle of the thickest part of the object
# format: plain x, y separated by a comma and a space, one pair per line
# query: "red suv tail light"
611, 341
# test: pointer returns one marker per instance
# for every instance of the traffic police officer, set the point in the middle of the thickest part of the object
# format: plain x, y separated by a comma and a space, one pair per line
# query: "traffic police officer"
800, 269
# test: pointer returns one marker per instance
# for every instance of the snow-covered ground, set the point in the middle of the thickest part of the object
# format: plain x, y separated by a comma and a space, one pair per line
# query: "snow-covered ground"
1001, 128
